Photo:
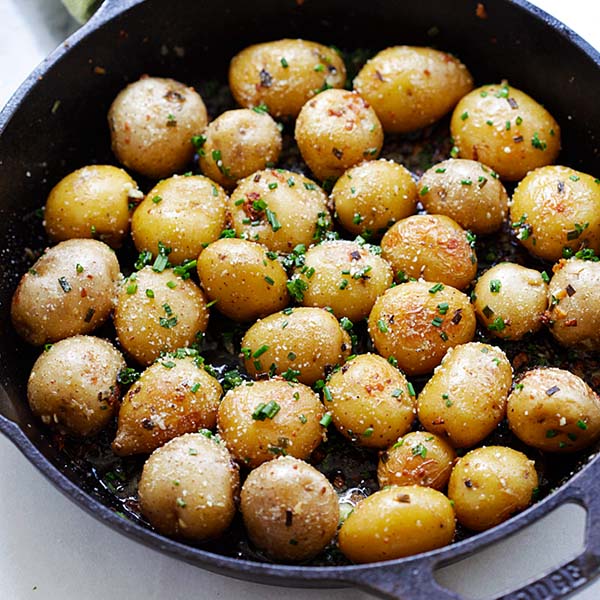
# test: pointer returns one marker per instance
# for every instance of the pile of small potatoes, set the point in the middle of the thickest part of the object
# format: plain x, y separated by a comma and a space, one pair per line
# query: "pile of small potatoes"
271, 250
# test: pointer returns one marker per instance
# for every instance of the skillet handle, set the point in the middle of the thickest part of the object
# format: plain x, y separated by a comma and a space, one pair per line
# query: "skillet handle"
109, 9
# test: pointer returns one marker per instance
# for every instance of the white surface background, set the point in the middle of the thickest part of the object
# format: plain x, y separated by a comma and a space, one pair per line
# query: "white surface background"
51, 549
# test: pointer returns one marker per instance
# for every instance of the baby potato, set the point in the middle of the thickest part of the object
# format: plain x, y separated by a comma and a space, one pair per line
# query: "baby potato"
290, 510
280, 209
506, 129
370, 401
418, 458
372, 196
433, 247
152, 122
297, 343
554, 208
172, 397
466, 191
396, 522
244, 280
554, 410
411, 87
69, 290
510, 300
91, 202
183, 213
158, 312
574, 296
188, 488
238, 143
337, 130
465, 399
490, 484
284, 74
344, 276
264, 419
416, 322
73, 385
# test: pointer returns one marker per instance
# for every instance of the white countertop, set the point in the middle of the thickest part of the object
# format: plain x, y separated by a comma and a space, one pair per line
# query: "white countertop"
51, 549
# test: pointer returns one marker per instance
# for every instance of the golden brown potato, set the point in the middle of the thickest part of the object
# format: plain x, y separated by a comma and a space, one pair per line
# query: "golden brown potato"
372, 196
290, 510
488, 485
284, 74
411, 87
554, 410
264, 419
510, 300
433, 247
244, 280
91, 202
337, 130
344, 276
418, 458
370, 401
188, 488
416, 322
73, 385
465, 399
279, 209
505, 129
172, 397
69, 290
152, 122
555, 208
297, 343
396, 522
466, 191
158, 312
574, 296
183, 213
238, 143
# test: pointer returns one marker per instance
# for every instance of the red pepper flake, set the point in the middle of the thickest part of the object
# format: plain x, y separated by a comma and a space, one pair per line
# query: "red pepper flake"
570, 323
99, 70
480, 11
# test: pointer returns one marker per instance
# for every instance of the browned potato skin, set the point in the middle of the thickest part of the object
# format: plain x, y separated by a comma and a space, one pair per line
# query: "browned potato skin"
73, 385
337, 130
513, 152
490, 484
520, 302
95, 196
466, 191
418, 458
245, 283
554, 208
296, 201
406, 313
433, 247
253, 442
550, 419
188, 488
411, 87
370, 401
465, 399
162, 405
309, 340
151, 124
366, 275
138, 318
184, 213
396, 522
284, 74
43, 311
574, 300
377, 193
290, 510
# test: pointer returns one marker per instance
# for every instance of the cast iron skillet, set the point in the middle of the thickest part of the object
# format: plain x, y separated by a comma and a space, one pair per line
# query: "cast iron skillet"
56, 122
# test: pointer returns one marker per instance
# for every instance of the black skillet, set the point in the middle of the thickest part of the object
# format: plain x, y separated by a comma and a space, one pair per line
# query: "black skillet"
56, 122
